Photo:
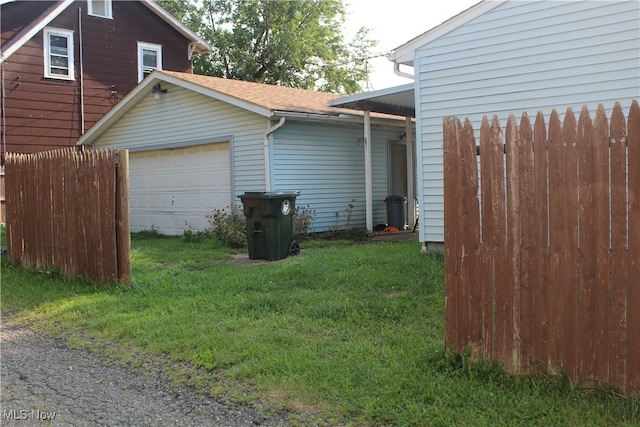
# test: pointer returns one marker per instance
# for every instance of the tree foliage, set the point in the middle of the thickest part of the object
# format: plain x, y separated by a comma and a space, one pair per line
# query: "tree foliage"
289, 43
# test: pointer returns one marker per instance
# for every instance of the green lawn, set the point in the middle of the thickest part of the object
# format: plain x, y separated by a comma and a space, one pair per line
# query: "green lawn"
351, 333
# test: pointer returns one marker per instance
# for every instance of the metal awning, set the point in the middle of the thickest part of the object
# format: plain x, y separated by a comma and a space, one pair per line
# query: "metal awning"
398, 100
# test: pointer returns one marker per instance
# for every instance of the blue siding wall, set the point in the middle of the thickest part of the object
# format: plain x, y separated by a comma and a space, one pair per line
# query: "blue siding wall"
325, 162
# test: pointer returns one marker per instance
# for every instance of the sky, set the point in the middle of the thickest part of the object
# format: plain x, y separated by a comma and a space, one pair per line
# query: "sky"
393, 23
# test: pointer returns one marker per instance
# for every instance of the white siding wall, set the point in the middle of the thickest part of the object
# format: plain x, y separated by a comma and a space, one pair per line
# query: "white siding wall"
521, 56
325, 162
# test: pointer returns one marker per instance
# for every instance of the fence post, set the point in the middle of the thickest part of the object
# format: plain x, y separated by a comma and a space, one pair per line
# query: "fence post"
123, 236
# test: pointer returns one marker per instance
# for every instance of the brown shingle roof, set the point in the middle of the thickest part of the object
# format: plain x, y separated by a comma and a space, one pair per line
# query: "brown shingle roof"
276, 98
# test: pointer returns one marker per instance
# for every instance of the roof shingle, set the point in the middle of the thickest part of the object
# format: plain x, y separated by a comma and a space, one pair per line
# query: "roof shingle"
272, 97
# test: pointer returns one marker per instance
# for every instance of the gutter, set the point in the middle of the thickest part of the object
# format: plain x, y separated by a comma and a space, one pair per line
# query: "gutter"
396, 70
341, 119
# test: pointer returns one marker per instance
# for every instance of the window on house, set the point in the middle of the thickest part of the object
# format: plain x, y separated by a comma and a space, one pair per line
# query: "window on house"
101, 8
58, 54
149, 59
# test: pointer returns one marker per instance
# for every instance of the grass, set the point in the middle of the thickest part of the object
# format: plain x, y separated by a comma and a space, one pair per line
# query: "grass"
350, 333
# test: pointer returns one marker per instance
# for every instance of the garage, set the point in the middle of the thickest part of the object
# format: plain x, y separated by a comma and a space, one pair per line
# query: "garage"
171, 188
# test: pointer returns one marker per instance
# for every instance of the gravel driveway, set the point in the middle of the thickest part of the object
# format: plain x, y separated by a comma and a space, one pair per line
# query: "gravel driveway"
44, 382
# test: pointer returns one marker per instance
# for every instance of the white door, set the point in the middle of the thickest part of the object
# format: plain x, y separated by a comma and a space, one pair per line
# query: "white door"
173, 189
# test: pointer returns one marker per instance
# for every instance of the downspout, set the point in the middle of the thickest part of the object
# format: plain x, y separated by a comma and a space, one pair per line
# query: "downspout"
267, 159
81, 73
3, 123
368, 181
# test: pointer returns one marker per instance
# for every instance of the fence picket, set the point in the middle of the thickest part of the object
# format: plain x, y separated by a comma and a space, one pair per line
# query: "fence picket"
471, 208
496, 165
556, 247
490, 196
451, 169
569, 242
601, 230
512, 344
527, 241
618, 278
587, 254
541, 236
633, 255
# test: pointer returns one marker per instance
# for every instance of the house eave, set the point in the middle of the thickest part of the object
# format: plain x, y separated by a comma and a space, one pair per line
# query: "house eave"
405, 53
144, 88
197, 45
29, 32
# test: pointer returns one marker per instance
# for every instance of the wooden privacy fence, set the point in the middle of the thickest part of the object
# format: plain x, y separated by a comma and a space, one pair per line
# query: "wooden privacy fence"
542, 265
70, 211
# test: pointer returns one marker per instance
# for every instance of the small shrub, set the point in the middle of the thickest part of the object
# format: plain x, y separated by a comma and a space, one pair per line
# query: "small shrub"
197, 236
150, 234
302, 221
229, 226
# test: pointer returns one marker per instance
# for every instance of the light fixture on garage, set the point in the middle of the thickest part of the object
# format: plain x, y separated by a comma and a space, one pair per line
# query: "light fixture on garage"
157, 90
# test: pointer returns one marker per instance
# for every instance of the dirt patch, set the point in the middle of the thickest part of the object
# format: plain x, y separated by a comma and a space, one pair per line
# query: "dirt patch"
243, 258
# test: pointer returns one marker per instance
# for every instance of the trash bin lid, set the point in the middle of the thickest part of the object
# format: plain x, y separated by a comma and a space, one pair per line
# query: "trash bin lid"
269, 194
395, 199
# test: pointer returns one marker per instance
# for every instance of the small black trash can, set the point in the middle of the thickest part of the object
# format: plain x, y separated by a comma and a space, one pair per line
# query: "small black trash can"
396, 211
270, 224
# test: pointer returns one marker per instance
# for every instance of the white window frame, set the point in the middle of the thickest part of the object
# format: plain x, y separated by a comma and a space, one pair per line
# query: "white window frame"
148, 46
47, 53
108, 9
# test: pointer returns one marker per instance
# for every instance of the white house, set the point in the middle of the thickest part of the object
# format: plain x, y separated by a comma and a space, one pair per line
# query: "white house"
196, 143
501, 57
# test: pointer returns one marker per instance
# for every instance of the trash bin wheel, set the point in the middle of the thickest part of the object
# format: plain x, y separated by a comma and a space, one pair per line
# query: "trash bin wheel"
294, 248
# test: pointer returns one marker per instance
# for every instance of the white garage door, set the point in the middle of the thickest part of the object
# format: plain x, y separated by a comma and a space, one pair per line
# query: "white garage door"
174, 187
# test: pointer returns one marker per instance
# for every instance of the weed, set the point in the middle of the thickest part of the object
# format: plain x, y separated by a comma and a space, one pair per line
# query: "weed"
196, 236
152, 233
349, 210
302, 222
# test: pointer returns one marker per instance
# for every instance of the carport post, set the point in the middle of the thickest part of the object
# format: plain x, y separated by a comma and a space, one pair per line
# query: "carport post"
367, 170
411, 195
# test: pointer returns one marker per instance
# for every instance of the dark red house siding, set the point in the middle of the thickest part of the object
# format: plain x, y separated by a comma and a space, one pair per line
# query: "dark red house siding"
43, 113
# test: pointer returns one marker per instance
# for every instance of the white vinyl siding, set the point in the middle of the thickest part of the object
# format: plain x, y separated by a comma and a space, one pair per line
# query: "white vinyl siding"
58, 54
325, 162
154, 122
521, 57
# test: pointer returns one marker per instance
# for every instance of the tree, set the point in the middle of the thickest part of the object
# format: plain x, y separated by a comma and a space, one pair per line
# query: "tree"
289, 43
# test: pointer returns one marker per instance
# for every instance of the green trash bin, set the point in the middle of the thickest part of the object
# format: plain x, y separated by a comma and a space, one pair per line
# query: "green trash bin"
270, 224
